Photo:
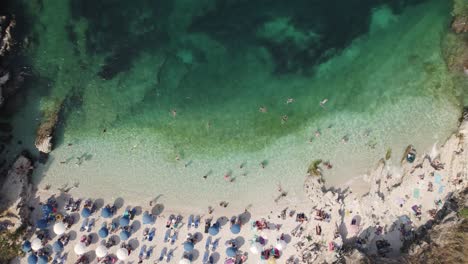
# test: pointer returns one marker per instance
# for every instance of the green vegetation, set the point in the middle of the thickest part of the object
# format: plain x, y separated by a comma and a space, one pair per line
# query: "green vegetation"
10, 244
314, 169
464, 213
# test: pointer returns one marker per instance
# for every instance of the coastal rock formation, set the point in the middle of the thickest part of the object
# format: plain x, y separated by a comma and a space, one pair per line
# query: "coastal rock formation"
46, 129
405, 213
6, 40
15, 194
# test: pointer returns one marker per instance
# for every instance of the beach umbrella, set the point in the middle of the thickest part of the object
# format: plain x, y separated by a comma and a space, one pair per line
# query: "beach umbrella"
256, 248
188, 246
42, 224
122, 254
231, 252
124, 235
80, 249
101, 251
26, 247
42, 260
271, 260
124, 221
235, 228
32, 259
85, 213
184, 261
213, 230
106, 212
147, 218
103, 232
36, 244
59, 228
281, 245
57, 246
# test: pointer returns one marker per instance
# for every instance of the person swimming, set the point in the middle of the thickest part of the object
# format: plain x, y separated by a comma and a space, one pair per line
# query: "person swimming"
262, 109
323, 102
290, 101
173, 112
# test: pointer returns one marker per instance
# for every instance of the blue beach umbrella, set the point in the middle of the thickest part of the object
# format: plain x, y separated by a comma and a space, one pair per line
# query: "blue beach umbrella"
103, 232
124, 221
32, 259
124, 235
57, 246
188, 246
42, 260
26, 247
147, 218
235, 228
85, 212
106, 212
42, 224
213, 230
231, 252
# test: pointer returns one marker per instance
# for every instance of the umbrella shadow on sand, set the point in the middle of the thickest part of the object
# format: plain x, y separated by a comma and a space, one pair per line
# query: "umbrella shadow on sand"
72, 235
99, 203
157, 209
222, 220
240, 241
91, 256
195, 255
134, 243
216, 257
119, 202
136, 225
245, 217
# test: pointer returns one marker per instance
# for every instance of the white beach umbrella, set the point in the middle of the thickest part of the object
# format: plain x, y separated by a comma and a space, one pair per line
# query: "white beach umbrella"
256, 248
281, 245
184, 261
59, 228
80, 249
122, 254
36, 244
101, 251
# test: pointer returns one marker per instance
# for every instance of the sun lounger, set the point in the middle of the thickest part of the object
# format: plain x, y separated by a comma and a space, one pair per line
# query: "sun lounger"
84, 225
197, 221
174, 238
215, 244
169, 255
90, 225
163, 253
142, 252
166, 236
190, 222
149, 252
205, 257
208, 243
151, 234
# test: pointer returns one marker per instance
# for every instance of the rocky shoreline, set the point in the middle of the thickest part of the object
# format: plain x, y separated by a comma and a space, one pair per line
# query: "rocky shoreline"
387, 228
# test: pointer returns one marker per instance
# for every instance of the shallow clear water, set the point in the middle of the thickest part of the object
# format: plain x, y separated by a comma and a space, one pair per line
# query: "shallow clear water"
216, 63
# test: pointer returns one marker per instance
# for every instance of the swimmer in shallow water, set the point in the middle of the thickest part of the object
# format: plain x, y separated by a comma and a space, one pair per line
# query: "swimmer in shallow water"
284, 119
290, 101
323, 102
262, 109
173, 112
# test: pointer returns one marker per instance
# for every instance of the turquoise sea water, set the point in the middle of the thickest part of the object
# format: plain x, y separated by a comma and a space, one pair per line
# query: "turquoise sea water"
148, 83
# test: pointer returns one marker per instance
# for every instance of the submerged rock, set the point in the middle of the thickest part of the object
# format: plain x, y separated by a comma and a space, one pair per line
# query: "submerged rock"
46, 130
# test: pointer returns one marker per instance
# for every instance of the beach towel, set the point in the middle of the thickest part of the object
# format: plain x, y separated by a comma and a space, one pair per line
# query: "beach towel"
416, 193
441, 189
438, 179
